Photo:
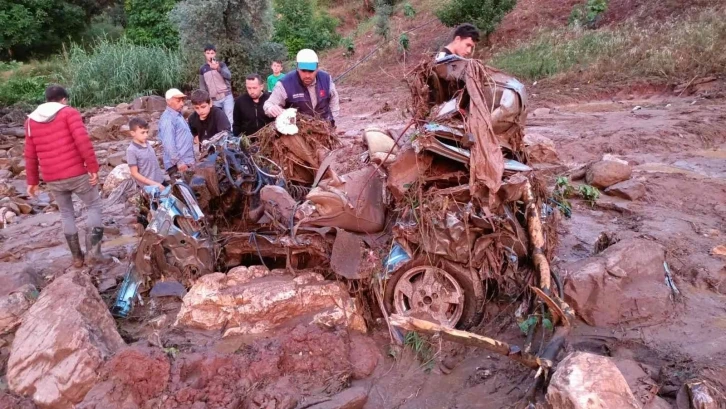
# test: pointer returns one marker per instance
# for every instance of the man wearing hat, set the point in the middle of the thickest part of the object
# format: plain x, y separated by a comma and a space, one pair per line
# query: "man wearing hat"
308, 89
174, 133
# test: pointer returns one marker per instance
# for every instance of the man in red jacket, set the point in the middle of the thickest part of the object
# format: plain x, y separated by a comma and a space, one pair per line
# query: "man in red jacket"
57, 140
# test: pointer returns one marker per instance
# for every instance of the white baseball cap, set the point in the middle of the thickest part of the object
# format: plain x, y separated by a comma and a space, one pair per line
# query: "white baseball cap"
307, 59
174, 93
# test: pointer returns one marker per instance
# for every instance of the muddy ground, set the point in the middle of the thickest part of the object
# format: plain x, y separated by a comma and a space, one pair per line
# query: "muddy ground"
677, 147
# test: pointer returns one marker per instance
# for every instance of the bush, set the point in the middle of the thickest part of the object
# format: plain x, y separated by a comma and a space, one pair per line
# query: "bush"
102, 27
301, 24
408, 10
242, 42
589, 13
22, 88
147, 23
403, 42
484, 14
348, 45
384, 10
114, 72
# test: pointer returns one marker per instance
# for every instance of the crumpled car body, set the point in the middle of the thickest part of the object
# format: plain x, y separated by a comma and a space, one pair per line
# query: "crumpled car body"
176, 245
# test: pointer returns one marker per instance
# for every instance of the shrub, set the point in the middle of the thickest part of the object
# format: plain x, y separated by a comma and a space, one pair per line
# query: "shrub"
102, 27
484, 14
147, 22
348, 46
301, 24
403, 42
22, 88
408, 10
114, 72
384, 10
589, 13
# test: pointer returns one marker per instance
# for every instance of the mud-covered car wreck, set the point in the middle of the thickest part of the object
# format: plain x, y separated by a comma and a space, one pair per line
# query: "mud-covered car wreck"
436, 220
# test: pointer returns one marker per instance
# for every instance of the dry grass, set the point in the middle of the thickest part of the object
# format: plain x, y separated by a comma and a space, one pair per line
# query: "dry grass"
673, 51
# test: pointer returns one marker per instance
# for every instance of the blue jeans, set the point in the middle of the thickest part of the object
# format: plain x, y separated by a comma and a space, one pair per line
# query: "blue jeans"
227, 104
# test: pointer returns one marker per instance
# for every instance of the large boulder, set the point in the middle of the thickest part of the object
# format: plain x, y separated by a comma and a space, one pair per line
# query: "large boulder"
623, 284
606, 173
255, 300
63, 340
133, 377
587, 381
117, 175
106, 125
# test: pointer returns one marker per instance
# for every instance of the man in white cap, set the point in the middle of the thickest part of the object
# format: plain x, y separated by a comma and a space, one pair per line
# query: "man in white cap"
174, 133
308, 89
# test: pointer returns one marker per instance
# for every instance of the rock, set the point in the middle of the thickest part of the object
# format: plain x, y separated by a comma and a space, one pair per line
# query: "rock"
353, 398
15, 402
624, 283
658, 403
14, 305
13, 280
587, 381
607, 173
122, 107
363, 356
63, 340
117, 175
540, 149
5, 174
630, 189
105, 125
132, 377
541, 112
18, 166
10, 205
22, 205
3, 153
116, 159
242, 302
150, 103
644, 388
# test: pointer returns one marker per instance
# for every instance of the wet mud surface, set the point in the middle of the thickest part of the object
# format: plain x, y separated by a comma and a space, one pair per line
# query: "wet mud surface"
677, 149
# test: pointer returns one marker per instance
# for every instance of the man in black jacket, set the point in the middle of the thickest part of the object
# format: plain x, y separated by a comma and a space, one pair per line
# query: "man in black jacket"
249, 115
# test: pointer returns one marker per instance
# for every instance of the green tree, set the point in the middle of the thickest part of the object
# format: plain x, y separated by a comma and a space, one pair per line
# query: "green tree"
301, 24
38, 27
484, 14
240, 29
147, 22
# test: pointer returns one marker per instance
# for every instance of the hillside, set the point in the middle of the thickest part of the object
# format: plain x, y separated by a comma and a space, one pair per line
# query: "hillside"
535, 43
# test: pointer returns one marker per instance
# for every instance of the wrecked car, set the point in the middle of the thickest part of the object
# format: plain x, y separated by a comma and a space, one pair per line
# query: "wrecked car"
453, 203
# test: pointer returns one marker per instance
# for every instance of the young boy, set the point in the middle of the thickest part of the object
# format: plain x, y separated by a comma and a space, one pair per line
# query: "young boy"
276, 75
207, 120
141, 157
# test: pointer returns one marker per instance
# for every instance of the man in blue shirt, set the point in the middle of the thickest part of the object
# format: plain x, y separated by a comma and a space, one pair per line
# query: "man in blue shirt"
175, 135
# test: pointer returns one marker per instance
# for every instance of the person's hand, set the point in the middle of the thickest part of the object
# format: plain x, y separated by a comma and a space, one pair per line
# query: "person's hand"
275, 111
159, 185
214, 65
196, 140
93, 178
33, 190
182, 167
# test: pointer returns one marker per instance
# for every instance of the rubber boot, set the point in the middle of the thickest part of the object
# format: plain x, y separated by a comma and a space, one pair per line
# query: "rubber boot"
93, 246
75, 245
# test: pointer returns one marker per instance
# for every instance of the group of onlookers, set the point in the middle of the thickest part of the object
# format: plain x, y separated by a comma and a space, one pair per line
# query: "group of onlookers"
58, 145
